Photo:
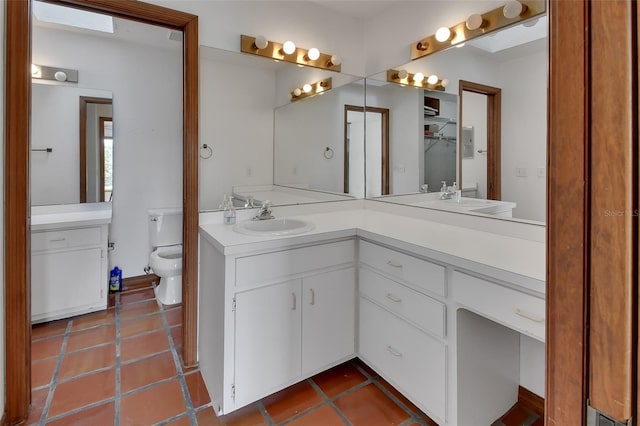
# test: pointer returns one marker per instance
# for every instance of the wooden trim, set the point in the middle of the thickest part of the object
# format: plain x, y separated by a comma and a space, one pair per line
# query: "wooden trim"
530, 400
494, 135
84, 100
17, 216
101, 121
614, 208
345, 176
139, 282
567, 221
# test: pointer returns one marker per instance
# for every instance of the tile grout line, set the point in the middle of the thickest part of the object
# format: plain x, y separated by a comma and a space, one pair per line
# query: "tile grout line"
265, 413
329, 401
176, 359
54, 378
117, 394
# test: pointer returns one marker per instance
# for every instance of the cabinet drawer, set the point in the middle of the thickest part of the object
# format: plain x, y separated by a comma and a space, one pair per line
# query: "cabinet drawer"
267, 267
411, 360
67, 238
418, 272
422, 310
519, 311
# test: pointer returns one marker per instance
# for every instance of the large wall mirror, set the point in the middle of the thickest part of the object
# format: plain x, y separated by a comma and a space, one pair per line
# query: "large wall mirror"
262, 145
486, 130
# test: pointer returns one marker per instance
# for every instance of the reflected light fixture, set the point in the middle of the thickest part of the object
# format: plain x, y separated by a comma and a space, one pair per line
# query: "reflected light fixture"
310, 89
443, 34
476, 25
418, 79
42, 72
288, 52
513, 9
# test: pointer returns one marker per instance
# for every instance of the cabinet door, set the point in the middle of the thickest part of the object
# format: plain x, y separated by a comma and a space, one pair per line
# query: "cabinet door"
62, 283
328, 321
267, 352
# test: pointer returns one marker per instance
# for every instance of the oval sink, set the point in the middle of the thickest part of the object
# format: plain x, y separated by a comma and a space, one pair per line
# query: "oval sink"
469, 202
273, 227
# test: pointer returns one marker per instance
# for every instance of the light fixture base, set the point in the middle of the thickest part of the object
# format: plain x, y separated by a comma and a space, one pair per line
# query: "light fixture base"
300, 56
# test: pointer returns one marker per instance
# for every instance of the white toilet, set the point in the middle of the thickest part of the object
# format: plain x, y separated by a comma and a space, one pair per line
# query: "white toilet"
165, 236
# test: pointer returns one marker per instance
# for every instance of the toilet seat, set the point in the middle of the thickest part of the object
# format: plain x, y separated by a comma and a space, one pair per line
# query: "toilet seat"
166, 262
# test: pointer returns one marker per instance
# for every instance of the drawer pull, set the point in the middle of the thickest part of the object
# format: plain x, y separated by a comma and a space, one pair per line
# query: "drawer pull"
528, 315
293, 296
57, 240
393, 352
394, 264
313, 297
393, 298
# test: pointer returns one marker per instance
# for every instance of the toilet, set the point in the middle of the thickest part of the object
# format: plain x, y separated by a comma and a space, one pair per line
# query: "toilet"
165, 236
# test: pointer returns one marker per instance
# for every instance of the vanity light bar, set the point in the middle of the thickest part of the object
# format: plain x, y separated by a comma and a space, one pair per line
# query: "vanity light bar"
408, 79
42, 72
313, 89
491, 21
299, 56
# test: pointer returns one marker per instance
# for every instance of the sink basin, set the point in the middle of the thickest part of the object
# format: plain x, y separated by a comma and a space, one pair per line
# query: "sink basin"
273, 227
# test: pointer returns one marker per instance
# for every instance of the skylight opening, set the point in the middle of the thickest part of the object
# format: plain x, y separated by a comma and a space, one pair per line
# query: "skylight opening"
61, 15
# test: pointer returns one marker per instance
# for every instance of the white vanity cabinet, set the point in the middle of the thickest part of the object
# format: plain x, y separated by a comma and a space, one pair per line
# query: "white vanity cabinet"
68, 272
402, 327
288, 314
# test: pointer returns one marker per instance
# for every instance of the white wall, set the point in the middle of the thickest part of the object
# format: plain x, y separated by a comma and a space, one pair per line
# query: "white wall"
147, 105
236, 110
474, 170
306, 23
532, 365
524, 133
303, 131
2, 337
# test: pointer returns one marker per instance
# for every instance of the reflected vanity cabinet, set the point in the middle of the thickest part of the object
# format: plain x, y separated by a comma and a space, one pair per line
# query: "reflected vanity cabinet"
271, 319
68, 272
402, 326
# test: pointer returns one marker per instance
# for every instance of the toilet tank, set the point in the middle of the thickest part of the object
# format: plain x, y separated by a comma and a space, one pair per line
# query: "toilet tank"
165, 227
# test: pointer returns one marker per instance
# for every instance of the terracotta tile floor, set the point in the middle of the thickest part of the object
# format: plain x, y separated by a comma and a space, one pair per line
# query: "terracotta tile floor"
121, 367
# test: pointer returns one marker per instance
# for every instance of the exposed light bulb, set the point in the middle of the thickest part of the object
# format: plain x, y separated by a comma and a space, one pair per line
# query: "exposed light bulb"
444, 83
306, 88
513, 9
34, 69
261, 42
297, 92
313, 54
288, 47
335, 60
443, 34
60, 76
418, 77
460, 44
432, 79
474, 21
402, 74
530, 23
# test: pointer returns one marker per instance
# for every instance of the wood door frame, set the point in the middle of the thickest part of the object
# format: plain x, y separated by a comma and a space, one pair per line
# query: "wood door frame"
385, 145
494, 135
101, 121
84, 100
17, 202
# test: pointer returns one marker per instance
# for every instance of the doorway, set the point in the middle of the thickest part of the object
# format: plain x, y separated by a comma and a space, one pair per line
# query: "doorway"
479, 128
360, 151
96, 149
17, 204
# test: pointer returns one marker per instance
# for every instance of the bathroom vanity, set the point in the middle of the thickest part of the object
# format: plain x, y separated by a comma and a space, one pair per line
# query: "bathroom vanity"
69, 260
441, 320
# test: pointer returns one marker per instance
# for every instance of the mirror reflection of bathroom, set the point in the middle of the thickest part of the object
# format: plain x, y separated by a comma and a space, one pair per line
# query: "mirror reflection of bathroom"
106, 161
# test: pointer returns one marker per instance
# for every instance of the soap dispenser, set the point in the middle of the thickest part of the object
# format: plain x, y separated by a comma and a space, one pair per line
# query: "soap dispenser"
444, 186
229, 212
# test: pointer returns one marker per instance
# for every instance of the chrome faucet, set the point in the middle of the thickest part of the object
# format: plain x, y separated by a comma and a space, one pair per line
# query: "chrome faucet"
265, 212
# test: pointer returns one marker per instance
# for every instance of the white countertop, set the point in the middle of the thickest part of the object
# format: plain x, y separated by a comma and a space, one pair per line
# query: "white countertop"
69, 215
518, 258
